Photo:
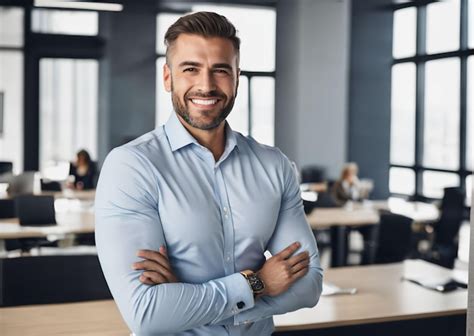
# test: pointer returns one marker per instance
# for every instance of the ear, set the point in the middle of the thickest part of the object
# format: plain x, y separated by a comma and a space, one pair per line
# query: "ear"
167, 77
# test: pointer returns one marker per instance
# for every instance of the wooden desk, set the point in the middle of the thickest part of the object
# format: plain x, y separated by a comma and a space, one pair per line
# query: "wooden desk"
94, 318
83, 195
338, 220
420, 212
323, 218
381, 297
69, 223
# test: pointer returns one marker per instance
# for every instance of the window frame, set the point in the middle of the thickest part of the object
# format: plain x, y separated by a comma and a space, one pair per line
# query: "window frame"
420, 59
36, 47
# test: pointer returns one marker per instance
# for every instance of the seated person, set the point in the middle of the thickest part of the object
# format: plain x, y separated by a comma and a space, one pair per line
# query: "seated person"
348, 187
84, 171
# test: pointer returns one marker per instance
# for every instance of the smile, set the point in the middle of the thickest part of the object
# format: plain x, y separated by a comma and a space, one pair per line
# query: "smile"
204, 102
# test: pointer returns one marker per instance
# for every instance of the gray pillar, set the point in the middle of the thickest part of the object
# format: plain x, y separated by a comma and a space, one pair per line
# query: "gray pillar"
311, 84
370, 90
127, 76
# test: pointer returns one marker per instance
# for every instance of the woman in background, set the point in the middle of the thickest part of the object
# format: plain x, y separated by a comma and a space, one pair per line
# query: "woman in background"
348, 187
84, 171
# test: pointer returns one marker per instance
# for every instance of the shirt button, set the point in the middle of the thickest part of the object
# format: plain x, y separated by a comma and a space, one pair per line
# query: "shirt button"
227, 259
225, 209
240, 305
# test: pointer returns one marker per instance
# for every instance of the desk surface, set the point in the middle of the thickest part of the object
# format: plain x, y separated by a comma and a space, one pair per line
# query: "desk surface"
69, 222
381, 297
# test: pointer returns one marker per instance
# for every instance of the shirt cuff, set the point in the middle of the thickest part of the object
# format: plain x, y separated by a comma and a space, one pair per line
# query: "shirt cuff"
240, 295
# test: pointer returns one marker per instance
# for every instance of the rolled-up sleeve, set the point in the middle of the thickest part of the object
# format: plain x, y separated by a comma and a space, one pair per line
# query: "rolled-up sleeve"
127, 219
291, 227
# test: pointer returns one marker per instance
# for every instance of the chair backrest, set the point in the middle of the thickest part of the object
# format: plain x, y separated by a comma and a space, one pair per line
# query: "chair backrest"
394, 238
7, 208
313, 174
6, 167
325, 200
35, 210
452, 214
51, 279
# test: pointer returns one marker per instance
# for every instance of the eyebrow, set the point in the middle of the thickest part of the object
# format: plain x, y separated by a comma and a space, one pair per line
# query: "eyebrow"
214, 66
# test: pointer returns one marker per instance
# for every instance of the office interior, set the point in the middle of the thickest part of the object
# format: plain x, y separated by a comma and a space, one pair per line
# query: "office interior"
385, 84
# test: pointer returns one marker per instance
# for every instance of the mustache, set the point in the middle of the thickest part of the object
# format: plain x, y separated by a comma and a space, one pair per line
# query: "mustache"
209, 94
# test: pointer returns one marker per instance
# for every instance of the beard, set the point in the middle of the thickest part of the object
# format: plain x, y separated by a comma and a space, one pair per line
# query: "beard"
183, 108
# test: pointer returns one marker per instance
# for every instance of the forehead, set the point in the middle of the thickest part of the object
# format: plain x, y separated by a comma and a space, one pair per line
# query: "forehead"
190, 47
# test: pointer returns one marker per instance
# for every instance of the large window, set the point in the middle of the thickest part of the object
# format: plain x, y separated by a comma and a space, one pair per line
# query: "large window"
11, 86
253, 112
432, 112
65, 22
68, 110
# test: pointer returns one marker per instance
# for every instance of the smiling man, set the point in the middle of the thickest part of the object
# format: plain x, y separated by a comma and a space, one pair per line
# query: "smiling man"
185, 213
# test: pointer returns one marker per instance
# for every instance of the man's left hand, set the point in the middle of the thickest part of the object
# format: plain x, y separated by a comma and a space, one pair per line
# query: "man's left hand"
156, 267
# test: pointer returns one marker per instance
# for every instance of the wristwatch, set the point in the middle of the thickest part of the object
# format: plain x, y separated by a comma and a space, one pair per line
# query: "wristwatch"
255, 283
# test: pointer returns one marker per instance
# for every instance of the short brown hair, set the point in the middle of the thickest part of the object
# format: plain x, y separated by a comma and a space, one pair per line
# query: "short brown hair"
206, 24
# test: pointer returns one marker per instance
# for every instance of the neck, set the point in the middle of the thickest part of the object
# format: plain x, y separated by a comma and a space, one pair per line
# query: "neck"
213, 139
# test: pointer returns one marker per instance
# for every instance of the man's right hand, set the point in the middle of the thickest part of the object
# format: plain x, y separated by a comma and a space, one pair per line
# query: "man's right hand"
283, 269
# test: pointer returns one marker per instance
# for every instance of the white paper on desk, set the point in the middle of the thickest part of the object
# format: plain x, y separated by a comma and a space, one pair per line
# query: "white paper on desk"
331, 289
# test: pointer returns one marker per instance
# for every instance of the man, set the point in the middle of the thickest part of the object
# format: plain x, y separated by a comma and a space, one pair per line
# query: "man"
185, 213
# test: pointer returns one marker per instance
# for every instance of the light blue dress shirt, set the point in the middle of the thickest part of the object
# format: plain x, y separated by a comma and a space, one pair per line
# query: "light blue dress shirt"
215, 218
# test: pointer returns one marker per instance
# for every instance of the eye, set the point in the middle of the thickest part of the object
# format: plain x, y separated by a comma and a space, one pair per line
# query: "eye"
221, 71
191, 69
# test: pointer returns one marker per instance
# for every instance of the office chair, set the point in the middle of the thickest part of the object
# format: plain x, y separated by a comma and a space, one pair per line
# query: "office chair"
6, 167
444, 250
393, 239
313, 174
7, 208
33, 211
51, 279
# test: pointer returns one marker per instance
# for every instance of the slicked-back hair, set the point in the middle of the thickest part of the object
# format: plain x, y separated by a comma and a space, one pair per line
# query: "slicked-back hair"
205, 24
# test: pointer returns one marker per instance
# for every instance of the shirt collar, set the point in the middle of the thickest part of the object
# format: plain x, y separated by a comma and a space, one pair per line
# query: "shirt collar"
179, 137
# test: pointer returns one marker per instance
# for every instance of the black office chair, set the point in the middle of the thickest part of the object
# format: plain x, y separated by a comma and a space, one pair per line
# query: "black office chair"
6, 167
51, 279
47, 185
313, 174
7, 208
33, 210
444, 250
393, 239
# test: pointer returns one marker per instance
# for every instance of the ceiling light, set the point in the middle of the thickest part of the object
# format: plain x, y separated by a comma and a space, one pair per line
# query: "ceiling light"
99, 6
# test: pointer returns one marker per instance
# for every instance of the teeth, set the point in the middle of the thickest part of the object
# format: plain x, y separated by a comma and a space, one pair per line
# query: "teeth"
204, 101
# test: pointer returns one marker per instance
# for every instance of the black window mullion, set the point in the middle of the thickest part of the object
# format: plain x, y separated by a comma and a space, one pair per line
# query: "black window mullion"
249, 104
463, 95
420, 99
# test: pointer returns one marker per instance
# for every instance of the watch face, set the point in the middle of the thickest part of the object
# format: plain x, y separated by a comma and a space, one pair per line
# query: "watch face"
256, 284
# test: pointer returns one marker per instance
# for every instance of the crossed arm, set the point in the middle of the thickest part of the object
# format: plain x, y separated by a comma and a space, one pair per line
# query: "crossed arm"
127, 221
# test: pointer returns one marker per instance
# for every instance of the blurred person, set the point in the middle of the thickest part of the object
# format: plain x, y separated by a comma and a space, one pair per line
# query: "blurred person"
185, 213
348, 187
84, 171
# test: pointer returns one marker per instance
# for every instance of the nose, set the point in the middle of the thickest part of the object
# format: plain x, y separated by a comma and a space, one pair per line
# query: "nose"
206, 81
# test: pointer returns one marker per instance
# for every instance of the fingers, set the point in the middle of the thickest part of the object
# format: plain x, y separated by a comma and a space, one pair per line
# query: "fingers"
146, 281
300, 273
298, 258
155, 278
155, 256
288, 251
303, 264
150, 265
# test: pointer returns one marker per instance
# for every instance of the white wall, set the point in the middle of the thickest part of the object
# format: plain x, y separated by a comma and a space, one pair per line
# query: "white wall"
312, 76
